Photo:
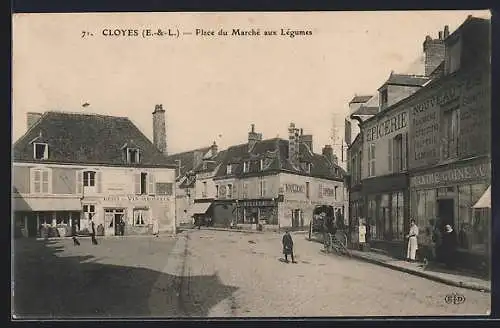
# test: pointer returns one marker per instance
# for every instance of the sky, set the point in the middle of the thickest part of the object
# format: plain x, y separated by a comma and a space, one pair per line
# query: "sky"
214, 87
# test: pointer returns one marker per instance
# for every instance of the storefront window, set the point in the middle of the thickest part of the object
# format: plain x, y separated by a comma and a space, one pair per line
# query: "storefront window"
371, 216
472, 227
62, 218
397, 216
383, 216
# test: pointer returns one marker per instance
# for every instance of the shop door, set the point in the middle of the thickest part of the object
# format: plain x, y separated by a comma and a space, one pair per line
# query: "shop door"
32, 225
118, 224
446, 212
109, 224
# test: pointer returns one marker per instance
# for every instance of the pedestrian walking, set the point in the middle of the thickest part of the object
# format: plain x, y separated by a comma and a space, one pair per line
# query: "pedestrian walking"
156, 228
449, 246
92, 234
288, 246
73, 234
412, 242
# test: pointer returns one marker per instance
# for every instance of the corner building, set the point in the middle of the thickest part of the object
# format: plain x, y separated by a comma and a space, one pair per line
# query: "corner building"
450, 147
70, 167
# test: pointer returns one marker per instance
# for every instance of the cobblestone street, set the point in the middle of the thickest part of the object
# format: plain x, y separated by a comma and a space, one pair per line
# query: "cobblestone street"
216, 273
318, 285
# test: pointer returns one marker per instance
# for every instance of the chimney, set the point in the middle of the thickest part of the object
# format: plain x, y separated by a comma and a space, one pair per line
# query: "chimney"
433, 52
293, 144
253, 137
159, 129
31, 119
446, 32
306, 139
327, 151
214, 149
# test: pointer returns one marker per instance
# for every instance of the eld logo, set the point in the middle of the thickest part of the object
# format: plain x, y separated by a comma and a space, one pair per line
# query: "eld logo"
454, 299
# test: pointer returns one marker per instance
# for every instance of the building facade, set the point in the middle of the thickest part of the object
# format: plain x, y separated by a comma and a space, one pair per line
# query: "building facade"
187, 163
450, 147
276, 182
379, 168
69, 168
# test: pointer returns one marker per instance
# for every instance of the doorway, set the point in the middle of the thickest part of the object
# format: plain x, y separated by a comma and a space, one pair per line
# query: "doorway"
446, 212
32, 225
119, 228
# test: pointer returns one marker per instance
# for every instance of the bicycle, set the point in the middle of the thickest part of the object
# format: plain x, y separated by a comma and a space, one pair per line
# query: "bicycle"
337, 242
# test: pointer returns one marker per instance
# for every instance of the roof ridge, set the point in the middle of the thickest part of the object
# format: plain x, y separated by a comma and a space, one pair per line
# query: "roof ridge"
189, 151
83, 113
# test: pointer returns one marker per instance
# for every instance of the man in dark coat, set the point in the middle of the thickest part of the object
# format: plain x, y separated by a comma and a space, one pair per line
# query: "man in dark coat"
288, 246
92, 234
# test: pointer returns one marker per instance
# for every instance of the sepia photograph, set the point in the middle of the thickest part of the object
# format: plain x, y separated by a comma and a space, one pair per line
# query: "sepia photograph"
196, 165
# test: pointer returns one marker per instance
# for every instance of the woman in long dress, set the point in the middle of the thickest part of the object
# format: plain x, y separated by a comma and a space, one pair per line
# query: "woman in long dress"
412, 241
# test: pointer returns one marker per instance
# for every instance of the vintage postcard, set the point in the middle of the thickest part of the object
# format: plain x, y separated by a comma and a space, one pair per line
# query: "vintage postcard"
251, 164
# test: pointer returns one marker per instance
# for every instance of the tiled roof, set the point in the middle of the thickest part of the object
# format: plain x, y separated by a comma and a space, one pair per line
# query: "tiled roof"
188, 160
274, 152
210, 164
364, 110
360, 99
87, 138
407, 80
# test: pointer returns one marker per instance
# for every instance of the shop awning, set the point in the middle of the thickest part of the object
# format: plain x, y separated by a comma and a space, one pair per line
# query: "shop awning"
198, 208
485, 200
46, 204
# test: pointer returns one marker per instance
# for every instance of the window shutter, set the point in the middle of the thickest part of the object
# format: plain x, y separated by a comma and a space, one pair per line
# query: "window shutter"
137, 183
79, 182
404, 151
45, 181
151, 183
98, 182
390, 159
37, 181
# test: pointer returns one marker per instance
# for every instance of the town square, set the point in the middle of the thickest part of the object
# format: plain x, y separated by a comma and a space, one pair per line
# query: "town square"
323, 171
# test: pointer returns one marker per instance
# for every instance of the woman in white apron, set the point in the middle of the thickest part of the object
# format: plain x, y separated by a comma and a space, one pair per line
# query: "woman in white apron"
412, 241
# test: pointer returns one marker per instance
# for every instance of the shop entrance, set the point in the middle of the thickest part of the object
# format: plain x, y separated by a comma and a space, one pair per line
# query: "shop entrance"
32, 225
446, 212
113, 219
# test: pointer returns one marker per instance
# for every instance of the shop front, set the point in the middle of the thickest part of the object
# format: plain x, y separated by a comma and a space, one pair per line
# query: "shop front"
129, 215
449, 193
40, 217
386, 215
251, 212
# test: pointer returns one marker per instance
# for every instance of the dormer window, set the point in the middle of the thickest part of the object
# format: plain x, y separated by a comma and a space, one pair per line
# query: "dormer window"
384, 98
245, 167
308, 167
40, 151
133, 155
229, 169
261, 164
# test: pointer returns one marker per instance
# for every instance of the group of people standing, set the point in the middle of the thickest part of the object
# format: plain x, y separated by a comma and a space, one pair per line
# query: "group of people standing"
444, 242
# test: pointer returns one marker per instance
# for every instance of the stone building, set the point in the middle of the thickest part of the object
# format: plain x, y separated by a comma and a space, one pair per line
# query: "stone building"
427, 155
70, 167
187, 164
378, 159
449, 141
275, 182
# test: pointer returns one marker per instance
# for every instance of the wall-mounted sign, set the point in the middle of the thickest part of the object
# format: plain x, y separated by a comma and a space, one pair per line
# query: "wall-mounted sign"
257, 203
388, 126
456, 175
133, 198
294, 188
471, 94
